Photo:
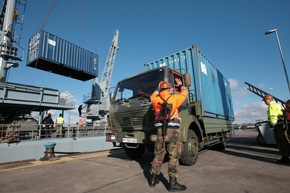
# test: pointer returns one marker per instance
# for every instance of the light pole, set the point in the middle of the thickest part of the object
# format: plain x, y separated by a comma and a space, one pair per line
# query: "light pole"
281, 54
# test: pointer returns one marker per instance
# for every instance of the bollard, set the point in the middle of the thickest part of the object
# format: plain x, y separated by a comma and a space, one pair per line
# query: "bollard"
49, 151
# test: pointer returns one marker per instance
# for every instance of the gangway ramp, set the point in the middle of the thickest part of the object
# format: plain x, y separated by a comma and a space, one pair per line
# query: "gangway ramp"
20, 98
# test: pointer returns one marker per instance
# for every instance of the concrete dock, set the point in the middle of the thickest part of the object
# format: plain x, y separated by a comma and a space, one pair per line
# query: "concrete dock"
244, 167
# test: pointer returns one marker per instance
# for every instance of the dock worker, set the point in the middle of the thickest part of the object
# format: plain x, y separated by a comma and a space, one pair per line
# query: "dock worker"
172, 135
80, 108
276, 122
59, 123
48, 122
287, 125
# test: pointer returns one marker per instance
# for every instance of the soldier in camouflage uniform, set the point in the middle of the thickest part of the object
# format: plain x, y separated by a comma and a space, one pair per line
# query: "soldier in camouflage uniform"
172, 136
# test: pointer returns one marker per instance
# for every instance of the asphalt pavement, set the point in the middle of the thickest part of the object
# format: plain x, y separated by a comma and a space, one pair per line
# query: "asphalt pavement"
244, 167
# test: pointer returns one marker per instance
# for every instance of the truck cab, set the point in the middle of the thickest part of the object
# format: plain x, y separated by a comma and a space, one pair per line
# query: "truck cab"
132, 116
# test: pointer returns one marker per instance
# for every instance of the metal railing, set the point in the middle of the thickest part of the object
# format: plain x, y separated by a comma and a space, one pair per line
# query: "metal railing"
13, 133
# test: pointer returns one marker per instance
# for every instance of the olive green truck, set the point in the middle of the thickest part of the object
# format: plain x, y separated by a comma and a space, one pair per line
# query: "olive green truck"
206, 116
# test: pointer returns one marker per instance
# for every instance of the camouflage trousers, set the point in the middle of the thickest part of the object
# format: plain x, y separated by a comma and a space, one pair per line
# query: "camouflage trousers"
281, 140
172, 139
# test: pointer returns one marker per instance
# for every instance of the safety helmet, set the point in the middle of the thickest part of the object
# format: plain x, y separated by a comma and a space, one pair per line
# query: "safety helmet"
165, 85
267, 96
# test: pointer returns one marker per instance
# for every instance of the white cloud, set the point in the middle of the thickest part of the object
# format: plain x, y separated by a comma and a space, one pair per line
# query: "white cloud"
238, 93
251, 113
70, 116
234, 83
68, 97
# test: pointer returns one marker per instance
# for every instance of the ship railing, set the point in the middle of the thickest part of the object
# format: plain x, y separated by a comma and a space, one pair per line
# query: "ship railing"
13, 133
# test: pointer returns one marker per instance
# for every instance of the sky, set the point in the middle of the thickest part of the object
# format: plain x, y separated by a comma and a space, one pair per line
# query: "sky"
231, 33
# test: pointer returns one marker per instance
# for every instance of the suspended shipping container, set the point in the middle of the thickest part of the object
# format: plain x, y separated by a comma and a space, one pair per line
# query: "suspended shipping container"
53, 54
209, 86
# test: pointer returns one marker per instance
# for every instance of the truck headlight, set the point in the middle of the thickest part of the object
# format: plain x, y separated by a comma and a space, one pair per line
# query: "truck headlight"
113, 138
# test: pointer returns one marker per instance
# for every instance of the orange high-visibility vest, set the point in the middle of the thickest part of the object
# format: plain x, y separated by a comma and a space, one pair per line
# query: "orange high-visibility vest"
176, 100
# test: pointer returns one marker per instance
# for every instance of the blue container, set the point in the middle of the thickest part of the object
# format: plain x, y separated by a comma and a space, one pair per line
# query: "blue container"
209, 86
53, 54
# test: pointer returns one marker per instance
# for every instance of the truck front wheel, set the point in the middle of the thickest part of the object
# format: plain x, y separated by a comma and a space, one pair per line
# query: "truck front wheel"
135, 153
190, 149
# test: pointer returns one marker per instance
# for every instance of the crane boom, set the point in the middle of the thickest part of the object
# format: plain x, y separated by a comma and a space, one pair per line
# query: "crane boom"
107, 74
98, 105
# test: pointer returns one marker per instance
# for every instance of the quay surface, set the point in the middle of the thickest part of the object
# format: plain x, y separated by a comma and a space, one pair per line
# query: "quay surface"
244, 167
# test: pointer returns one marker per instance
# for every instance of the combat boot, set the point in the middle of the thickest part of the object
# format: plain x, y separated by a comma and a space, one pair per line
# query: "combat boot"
154, 180
175, 186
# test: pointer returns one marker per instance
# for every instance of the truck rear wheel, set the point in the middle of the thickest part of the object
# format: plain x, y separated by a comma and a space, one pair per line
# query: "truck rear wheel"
135, 153
190, 149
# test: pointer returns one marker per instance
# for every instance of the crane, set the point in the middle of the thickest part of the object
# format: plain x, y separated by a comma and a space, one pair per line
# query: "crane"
262, 93
98, 105
107, 74
10, 24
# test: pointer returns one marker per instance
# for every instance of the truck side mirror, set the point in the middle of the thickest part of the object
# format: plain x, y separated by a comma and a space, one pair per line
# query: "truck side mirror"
111, 97
187, 80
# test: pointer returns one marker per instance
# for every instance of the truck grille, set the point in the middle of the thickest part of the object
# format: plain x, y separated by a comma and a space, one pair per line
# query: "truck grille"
143, 118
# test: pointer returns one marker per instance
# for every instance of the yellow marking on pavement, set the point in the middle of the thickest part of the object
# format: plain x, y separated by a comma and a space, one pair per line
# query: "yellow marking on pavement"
60, 160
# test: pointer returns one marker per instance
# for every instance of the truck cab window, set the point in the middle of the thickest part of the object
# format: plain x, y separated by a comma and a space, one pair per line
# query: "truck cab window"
123, 93
140, 86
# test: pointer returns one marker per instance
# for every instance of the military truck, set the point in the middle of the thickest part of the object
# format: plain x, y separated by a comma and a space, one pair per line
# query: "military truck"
206, 116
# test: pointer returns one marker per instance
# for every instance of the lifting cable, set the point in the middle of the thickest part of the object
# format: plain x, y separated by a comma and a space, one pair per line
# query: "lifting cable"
44, 19
88, 24
80, 5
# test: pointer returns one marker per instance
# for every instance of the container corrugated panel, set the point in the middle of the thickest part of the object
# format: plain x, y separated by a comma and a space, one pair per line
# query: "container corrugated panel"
208, 86
53, 54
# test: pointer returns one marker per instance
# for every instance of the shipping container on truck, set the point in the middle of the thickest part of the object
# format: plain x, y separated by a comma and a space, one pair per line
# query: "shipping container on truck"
50, 53
206, 116
210, 90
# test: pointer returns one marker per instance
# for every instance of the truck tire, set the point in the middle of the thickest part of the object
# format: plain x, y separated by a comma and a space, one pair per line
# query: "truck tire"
190, 149
135, 153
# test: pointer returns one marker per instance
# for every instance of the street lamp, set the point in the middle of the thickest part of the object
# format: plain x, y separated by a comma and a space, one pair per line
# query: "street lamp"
281, 54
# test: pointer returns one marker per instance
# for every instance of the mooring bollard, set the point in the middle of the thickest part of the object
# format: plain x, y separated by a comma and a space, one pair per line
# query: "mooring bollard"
49, 151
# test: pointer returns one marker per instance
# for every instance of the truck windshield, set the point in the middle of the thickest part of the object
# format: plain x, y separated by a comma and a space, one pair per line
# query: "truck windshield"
141, 85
